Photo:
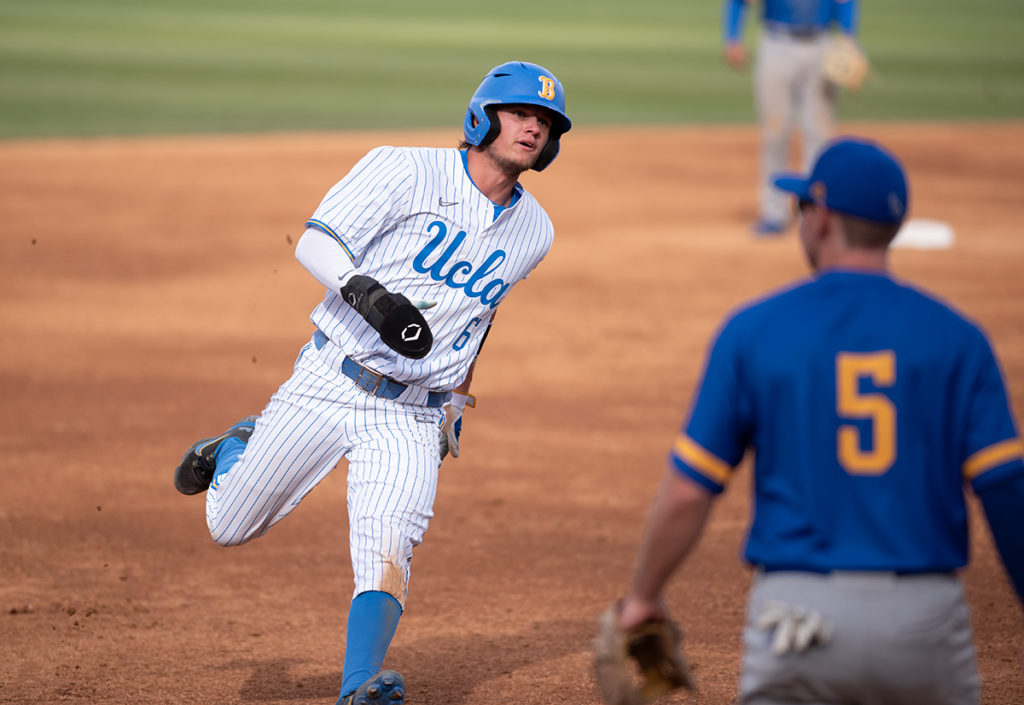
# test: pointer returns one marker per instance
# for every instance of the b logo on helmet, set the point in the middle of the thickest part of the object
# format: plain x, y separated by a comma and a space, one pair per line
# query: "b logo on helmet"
547, 88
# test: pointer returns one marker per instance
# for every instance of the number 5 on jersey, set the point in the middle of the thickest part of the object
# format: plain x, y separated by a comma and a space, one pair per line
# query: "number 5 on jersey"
874, 455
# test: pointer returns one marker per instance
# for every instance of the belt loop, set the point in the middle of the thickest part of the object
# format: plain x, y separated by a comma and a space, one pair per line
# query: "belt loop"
319, 339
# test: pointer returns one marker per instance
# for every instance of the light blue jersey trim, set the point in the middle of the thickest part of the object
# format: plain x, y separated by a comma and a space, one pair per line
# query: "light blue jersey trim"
325, 228
517, 190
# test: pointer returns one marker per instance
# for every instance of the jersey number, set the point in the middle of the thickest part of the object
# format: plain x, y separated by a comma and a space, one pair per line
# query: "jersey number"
464, 336
880, 368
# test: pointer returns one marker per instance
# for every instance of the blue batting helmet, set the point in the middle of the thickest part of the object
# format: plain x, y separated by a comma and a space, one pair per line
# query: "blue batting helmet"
517, 83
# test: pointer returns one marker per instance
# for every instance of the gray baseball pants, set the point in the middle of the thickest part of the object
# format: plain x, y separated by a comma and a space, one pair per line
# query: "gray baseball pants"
790, 91
897, 640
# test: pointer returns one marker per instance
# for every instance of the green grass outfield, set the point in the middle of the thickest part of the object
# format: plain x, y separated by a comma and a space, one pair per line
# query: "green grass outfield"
103, 67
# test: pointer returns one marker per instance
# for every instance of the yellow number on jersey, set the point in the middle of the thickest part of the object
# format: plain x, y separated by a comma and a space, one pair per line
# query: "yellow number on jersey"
880, 367
547, 88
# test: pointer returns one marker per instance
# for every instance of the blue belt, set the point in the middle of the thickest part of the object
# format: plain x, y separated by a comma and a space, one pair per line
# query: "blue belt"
830, 571
382, 386
794, 31
376, 384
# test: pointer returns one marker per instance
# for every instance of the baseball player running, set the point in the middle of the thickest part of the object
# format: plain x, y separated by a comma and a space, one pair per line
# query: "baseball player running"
416, 248
869, 405
789, 85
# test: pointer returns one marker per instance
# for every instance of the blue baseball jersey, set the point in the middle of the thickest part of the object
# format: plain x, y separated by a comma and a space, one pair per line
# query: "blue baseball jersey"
806, 15
868, 405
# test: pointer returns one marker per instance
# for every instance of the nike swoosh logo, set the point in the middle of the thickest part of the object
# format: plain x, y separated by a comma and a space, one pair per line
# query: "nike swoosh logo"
443, 203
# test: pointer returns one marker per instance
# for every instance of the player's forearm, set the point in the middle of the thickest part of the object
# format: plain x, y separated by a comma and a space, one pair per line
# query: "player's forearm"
463, 388
677, 518
324, 258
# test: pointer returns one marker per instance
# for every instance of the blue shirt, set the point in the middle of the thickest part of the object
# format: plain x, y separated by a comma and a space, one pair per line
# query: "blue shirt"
805, 15
867, 404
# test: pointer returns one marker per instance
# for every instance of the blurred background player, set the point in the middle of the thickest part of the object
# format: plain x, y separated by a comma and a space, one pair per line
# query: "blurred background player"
790, 88
869, 406
416, 248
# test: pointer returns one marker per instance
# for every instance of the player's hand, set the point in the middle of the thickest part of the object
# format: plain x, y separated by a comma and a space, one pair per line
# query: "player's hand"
736, 55
635, 611
451, 428
637, 664
398, 321
450, 432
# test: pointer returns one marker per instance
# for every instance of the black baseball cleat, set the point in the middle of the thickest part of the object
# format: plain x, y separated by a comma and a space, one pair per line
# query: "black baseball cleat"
385, 688
195, 471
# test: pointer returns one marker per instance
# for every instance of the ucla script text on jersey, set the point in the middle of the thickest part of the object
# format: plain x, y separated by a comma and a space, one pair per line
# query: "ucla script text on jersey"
431, 235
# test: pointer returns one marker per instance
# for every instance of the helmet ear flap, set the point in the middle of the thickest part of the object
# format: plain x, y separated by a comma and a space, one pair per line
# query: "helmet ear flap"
482, 125
547, 154
493, 125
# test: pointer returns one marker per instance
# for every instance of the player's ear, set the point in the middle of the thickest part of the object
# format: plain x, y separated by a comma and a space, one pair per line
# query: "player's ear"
814, 224
830, 227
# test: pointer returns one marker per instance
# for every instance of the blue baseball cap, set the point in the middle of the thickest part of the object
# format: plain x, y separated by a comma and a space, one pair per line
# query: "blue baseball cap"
856, 177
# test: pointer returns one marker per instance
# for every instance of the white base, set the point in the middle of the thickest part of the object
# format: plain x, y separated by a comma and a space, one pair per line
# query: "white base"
922, 234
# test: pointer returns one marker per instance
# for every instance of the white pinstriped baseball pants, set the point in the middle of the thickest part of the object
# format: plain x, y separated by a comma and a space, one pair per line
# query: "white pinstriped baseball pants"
313, 420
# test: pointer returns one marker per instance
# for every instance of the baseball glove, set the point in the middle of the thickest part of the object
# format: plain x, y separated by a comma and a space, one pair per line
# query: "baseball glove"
635, 667
845, 63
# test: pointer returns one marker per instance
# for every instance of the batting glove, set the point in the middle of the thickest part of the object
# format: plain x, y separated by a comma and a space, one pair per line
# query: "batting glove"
794, 629
451, 426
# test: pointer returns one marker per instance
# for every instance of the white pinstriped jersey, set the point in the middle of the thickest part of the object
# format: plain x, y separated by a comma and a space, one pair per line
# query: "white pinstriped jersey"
413, 220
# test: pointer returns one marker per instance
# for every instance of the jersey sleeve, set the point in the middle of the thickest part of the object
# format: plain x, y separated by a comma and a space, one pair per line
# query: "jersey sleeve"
714, 438
845, 13
734, 13
994, 450
367, 202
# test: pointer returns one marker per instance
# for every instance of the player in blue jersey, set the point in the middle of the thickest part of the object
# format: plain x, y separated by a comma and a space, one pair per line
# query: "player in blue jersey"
869, 406
790, 88
416, 248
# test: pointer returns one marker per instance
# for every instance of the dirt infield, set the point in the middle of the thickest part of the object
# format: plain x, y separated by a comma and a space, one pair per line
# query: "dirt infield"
150, 297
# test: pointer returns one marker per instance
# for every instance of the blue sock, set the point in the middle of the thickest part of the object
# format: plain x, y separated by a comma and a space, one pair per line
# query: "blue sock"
372, 621
227, 455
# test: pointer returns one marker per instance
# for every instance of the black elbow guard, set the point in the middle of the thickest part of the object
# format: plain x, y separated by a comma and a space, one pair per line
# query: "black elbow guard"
400, 324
